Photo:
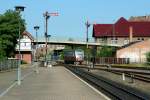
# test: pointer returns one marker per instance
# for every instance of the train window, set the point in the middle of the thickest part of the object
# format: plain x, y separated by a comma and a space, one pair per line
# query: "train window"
68, 53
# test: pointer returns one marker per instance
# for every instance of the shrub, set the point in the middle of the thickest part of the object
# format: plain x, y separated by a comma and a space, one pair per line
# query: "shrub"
148, 57
23, 62
106, 51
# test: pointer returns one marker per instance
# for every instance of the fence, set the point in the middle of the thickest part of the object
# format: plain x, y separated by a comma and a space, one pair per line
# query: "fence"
8, 64
111, 60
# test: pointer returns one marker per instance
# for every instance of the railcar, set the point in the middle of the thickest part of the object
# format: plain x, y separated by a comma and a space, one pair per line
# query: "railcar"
73, 56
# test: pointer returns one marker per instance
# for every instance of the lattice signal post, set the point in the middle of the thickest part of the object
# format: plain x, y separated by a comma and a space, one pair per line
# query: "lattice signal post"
47, 15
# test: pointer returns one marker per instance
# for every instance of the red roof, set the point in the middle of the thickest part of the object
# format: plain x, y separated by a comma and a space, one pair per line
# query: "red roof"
28, 34
121, 29
102, 29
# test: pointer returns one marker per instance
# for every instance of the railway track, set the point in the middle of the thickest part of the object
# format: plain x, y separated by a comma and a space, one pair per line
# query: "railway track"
112, 89
140, 77
124, 67
145, 77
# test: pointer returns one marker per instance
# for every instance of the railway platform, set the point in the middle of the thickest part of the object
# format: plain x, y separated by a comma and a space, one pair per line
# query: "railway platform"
55, 83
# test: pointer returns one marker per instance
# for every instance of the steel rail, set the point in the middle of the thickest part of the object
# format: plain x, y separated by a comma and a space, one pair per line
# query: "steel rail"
112, 89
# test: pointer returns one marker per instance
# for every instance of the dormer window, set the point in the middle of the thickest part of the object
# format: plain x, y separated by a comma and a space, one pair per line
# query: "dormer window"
114, 40
25, 37
142, 39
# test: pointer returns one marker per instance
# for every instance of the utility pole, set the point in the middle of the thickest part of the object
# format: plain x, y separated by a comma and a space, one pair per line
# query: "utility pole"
87, 24
47, 16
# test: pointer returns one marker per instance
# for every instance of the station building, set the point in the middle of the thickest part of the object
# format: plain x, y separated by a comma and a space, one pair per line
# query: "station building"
122, 32
133, 36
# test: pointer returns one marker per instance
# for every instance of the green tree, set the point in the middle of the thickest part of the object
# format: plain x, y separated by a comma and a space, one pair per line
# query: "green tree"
106, 52
148, 57
9, 32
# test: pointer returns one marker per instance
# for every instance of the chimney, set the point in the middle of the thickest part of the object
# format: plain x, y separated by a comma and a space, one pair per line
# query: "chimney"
146, 18
130, 34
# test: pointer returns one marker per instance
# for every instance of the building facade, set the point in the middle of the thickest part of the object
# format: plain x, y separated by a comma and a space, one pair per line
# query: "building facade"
122, 32
135, 52
26, 47
140, 18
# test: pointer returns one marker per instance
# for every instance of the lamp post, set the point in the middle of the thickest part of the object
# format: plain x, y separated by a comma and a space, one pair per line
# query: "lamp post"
19, 9
47, 16
87, 24
36, 29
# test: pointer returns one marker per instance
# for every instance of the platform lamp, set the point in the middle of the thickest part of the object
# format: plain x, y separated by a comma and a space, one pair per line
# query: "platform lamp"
36, 28
19, 9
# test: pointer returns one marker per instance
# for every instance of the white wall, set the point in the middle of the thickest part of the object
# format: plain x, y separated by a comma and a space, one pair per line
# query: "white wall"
25, 44
136, 52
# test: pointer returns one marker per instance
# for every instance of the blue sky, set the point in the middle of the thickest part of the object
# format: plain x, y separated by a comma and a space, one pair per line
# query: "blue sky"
73, 14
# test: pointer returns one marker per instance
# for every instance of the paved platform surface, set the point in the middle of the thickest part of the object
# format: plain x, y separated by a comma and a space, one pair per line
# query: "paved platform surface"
55, 83
7, 78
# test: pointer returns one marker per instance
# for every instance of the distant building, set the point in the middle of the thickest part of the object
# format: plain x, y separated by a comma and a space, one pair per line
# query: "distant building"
50, 48
122, 32
136, 52
25, 47
140, 18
